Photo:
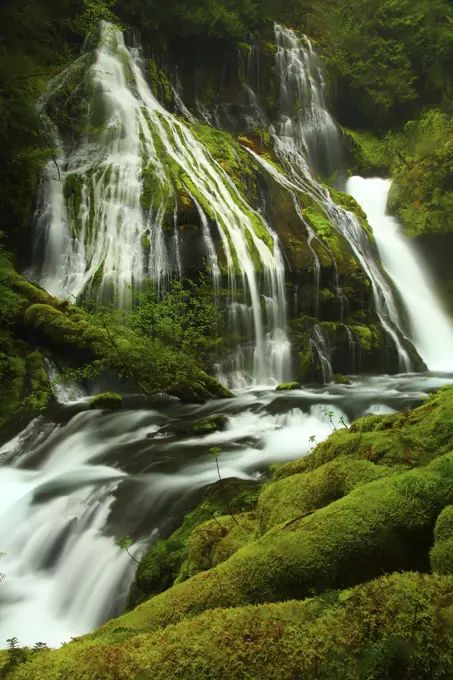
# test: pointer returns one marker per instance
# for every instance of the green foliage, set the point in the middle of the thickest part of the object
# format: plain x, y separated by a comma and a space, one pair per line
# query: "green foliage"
385, 54
38, 39
422, 190
183, 316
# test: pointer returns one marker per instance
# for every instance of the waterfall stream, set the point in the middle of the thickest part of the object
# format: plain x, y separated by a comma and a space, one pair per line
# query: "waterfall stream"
92, 220
430, 329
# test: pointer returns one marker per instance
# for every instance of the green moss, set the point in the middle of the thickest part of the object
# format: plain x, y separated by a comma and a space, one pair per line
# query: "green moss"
146, 242
108, 400
302, 494
340, 379
442, 552
385, 525
403, 440
212, 424
215, 541
348, 203
52, 323
13, 374
167, 561
39, 390
72, 192
367, 154
284, 387
399, 626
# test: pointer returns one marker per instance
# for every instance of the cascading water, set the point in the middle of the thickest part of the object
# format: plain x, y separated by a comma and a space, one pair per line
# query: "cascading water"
305, 122
431, 331
93, 220
297, 145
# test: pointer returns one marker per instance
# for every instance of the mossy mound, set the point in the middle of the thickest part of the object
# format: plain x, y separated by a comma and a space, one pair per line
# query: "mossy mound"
302, 494
171, 560
340, 379
286, 387
400, 440
385, 525
442, 552
398, 627
367, 155
106, 401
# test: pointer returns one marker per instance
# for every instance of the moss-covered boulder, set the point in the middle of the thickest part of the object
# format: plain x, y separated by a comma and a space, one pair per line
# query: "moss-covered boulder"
442, 552
107, 401
286, 387
385, 525
171, 559
302, 494
397, 627
208, 425
340, 379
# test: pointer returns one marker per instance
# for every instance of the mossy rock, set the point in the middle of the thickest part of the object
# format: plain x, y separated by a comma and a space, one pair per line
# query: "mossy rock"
208, 425
302, 494
397, 627
385, 525
167, 561
442, 552
286, 387
340, 379
399, 440
215, 541
108, 401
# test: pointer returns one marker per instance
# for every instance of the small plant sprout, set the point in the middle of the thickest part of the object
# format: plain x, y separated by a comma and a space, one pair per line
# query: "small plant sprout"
124, 543
216, 451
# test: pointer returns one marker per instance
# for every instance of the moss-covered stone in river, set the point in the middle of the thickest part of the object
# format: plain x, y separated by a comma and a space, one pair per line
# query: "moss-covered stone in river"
385, 525
285, 387
106, 401
208, 425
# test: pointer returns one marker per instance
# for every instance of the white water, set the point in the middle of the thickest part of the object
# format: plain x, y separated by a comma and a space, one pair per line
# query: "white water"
431, 330
98, 245
308, 138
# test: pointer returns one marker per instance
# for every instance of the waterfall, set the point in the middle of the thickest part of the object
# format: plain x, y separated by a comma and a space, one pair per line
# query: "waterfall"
122, 184
319, 344
430, 329
307, 139
305, 122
